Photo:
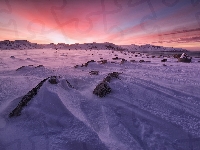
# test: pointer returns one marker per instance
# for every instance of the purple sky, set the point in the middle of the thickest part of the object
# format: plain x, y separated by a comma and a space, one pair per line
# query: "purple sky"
166, 22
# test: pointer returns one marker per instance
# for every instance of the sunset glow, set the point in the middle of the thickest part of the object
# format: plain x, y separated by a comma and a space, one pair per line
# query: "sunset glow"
167, 23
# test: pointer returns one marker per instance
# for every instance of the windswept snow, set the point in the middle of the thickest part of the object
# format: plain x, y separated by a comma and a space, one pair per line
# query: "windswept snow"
153, 105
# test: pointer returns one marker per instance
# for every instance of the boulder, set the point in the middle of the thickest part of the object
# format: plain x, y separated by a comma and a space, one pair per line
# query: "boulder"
102, 89
163, 60
53, 80
186, 60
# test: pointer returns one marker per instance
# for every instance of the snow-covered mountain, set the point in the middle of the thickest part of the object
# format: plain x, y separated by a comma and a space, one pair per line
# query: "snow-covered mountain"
24, 44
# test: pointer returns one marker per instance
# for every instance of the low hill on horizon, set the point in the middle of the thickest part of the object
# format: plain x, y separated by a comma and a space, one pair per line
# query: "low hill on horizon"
24, 44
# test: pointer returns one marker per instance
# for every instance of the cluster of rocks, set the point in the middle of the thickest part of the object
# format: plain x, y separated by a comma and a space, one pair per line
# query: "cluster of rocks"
141, 61
55, 80
84, 65
123, 61
39, 66
102, 61
28, 66
26, 99
102, 89
185, 59
94, 72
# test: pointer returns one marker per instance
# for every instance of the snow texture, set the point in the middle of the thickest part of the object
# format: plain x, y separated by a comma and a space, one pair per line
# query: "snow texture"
153, 105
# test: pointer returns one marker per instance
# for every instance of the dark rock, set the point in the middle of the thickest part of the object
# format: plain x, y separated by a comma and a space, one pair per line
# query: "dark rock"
103, 61
111, 75
185, 60
123, 61
114, 74
132, 61
76, 66
94, 72
107, 79
164, 60
20, 68
177, 55
116, 58
102, 89
141, 61
39, 66
69, 84
26, 99
53, 80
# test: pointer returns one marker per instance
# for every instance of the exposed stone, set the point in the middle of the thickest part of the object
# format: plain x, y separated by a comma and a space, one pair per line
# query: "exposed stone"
39, 66
110, 76
53, 80
76, 66
116, 58
26, 99
102, 89
132, 61
114, 74
86, 64
123, 61
103, 61
185, 60
94, 72
141, 61
69, 84
177, 55
164, 60
107, 79
20, 68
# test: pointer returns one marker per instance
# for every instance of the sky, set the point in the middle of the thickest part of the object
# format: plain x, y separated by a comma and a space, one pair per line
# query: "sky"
170, 23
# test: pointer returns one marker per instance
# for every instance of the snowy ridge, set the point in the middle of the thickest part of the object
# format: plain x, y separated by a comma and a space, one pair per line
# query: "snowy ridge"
24, 44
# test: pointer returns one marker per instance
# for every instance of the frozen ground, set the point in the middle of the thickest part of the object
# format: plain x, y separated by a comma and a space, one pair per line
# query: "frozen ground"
152, 107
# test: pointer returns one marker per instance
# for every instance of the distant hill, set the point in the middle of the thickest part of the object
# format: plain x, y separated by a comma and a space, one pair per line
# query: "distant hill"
149, 47
24, 44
